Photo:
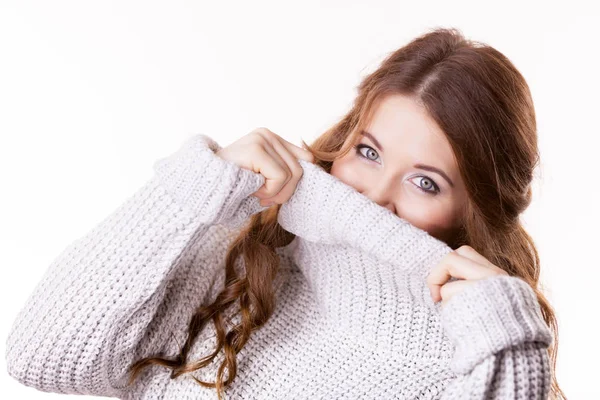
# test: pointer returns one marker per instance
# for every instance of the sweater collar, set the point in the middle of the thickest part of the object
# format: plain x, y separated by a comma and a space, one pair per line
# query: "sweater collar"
325, 210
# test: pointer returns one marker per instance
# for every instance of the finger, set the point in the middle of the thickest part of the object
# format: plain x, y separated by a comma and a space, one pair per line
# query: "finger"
458, 266
298, 152
471, 253
293, 165
275, 171
452, 288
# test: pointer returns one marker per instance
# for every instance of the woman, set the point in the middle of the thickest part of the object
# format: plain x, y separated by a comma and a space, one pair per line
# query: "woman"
335, 291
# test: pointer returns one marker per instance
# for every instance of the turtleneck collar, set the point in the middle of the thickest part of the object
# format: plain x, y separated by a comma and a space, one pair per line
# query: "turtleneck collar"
325, 210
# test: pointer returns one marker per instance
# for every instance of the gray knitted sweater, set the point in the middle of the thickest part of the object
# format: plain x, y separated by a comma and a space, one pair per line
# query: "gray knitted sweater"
353, 319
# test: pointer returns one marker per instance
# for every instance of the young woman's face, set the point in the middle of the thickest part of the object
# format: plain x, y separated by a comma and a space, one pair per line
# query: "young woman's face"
391, 165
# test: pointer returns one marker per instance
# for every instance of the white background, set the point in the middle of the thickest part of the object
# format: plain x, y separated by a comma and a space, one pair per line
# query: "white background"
93, 92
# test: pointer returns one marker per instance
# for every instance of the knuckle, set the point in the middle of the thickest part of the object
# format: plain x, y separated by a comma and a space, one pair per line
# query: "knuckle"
260, 129
265, 132
309, 155
444, 291
281, 175
297, 170
260, 137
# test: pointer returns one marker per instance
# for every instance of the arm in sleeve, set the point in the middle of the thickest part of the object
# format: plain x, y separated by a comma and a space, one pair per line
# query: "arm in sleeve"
83, 322
501, 342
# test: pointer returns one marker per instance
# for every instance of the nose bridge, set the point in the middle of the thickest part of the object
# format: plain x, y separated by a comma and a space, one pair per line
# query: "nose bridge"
381, 192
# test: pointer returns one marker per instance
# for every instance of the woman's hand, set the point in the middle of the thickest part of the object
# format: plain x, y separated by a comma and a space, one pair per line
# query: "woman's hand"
464, 263
267, 153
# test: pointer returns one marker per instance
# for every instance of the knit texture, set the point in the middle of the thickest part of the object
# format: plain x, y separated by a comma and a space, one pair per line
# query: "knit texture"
353, 319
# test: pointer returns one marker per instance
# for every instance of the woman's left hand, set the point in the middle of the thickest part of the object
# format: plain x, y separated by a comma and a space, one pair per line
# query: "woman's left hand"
464, 263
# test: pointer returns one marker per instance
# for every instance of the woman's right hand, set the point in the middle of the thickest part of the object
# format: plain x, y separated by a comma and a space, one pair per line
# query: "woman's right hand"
267, 153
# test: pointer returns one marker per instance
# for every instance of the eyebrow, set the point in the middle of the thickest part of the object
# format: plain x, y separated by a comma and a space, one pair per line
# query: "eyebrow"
419, 166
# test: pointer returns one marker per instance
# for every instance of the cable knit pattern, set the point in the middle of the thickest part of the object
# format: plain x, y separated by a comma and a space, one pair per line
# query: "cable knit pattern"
353, 319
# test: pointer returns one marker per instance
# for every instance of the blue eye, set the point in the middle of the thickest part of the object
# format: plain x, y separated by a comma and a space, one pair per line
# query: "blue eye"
370, 150
372, 155
433, 192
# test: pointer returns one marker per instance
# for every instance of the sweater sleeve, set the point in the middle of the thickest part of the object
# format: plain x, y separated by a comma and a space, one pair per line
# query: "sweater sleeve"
83, 324
501, 341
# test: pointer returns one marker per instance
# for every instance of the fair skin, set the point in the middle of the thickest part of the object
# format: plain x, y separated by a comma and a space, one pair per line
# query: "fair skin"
391, 165
404, 143
387, 170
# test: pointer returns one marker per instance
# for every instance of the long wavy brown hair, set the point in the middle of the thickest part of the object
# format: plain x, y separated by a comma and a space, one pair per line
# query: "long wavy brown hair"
484, 106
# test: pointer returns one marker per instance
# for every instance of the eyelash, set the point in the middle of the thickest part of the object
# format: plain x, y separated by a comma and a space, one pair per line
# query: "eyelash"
434, 192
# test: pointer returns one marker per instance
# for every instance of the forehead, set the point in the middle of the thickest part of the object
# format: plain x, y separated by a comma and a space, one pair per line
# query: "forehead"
405, 129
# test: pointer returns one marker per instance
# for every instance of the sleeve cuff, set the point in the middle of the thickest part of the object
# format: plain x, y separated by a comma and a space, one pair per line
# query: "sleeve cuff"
495, 313
214, 189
